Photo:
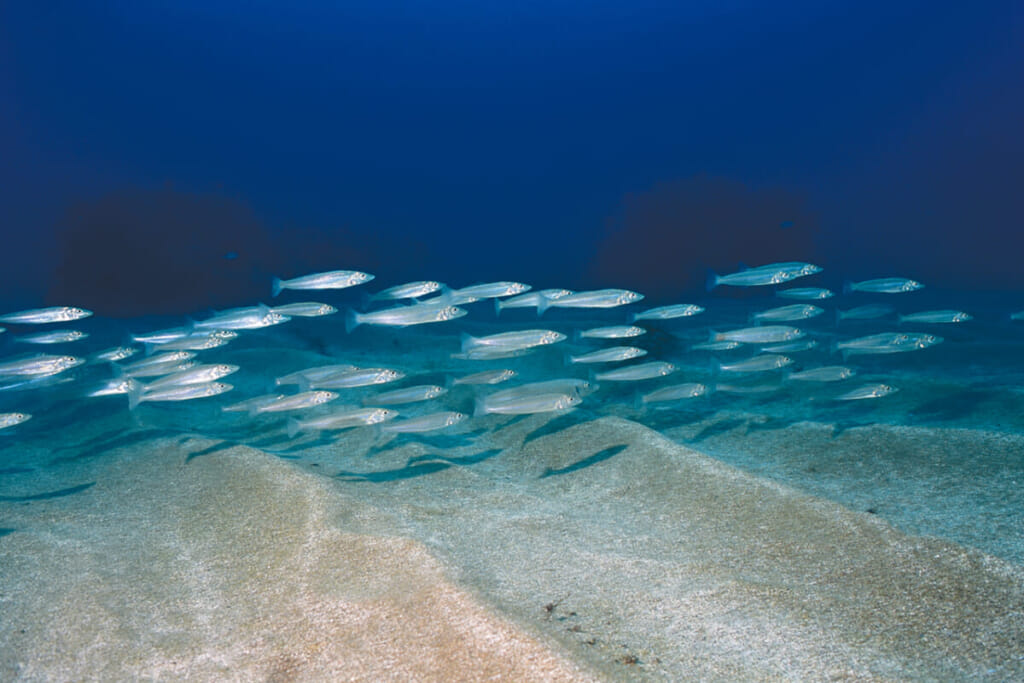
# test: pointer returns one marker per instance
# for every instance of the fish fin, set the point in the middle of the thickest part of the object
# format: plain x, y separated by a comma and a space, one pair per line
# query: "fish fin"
352, 320
577, 335
479, 406
543, 303
445, 296
715, 366
497, 307
632, 318
365, 299
714, 336
711, 281
568, 359
638, 401
135, 396
293, 427
899, 320
839, 316
847, 287
304, 384
465, 341
276, 286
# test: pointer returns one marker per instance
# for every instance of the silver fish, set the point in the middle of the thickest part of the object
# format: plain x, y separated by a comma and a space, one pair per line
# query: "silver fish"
573, 386
403, 316
305, 309
763, 363
598, 298
194, 342
797, 268
423, 392
200, 374
491, 353
527, 405
300, 401
936, 317
867, 391
530, 300
675, 392
250, 405
520, 339
360, 377
313, 374
613, 354
752, 277
487, 377
487, 290
612, 332
669, 312
805, 293
159, 369
12, 419
887, 342
162, 336
159, 359
788, 313
41, 316
744, 389
411, 290
637, 372
115, 354
885, 285
334, 279
725, 345
1017, 316
827, 373
346, 419
790, 347
39, 366
867, 312
184, 393
425, 423
247, 318
766, 334
117, 387
54, 337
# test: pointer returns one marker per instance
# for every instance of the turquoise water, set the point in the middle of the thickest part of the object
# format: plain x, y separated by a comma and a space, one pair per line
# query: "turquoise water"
583, 507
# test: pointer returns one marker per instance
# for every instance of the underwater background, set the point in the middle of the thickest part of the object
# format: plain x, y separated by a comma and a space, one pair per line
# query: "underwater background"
806, 463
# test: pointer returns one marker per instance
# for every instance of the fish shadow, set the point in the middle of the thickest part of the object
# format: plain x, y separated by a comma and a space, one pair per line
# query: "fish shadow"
718, 428
16, 470
600, 456
952, 406
61, 493
118, 442
216, 448
661, 419
5, 531
557, 424
771, 424
408, 472
464, 460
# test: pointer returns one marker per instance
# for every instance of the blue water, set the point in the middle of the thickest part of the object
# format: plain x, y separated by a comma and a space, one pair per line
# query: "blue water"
942, 457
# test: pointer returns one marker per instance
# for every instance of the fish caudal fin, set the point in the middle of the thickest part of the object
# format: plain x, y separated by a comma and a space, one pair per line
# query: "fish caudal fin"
352, 320
711, 281
293, 427
276, 286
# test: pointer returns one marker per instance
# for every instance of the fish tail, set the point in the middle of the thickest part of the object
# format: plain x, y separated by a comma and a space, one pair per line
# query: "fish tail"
276, 286
847, 287
497, 308
568, 359
366, 299
293, 427
714, 336
135, 396
479, 406
543, 303
839, 317
467, 342
711, 281
638, 401
352, 320
715, 366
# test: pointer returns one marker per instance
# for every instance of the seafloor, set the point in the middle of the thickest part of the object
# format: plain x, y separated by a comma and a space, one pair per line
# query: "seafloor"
743, 536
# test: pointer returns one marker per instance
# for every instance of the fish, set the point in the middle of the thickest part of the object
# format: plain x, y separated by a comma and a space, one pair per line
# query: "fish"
250, 405
360, 377
304, 309
41, 365
530, 299
885, 285
425, 423
528, 405
113, 355
42, 316
612, 332
334, 279
769, 274
668, 312
487, 290
613, 354
573, 386
725, 345
867, 391
159, 369
520, 339
790, 347
487, 377
163, 336
313, 374
54, 337
179, 393
762, 363
300, 401
246, 318
805, 293
1017, 316
766, 334
159, 359
116, 387
635, 373
403, 316
675, 392
492, 353
867, 312
12, 419
598, 298
826, 373
422, 392
936, 317
410, 290
193, 342
2, 330
745, 389
346, 419
788, 313
887, 343
199, 374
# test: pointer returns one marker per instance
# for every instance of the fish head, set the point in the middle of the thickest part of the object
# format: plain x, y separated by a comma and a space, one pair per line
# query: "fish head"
911, 285
360, 278
435, 391
224, 334
225, 369
962, 317
74, 313
455, 418
69, 361
694, 309
452, 312
628, 297
552, 337
810, 269
668, 369
518, 288
326, 309
508, 374
699, 390
324, 396
785, 360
